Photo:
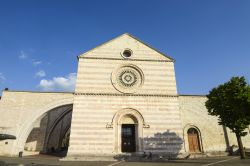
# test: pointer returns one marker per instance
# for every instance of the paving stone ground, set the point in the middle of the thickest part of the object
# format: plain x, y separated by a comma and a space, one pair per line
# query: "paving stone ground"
54, 161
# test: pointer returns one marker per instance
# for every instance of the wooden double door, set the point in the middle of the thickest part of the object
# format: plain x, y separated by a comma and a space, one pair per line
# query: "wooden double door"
193, 141
128, 138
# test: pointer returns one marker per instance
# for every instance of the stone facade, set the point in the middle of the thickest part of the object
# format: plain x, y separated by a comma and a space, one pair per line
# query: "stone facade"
121, 83
21, 112
213, 137
152, 98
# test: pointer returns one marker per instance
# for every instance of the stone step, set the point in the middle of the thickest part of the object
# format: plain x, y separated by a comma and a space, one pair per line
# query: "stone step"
208, 154
150, 157
197, 155
217, 153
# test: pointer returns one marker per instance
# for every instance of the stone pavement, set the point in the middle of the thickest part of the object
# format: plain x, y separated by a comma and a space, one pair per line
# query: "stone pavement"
54, 161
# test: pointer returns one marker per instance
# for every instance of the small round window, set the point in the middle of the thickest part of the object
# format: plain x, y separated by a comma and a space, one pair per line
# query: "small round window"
127, 53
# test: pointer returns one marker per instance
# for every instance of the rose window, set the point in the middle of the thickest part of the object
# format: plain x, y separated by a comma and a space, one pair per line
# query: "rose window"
127, 79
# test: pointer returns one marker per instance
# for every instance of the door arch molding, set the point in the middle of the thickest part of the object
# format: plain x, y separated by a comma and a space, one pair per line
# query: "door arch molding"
185, 136
117, 122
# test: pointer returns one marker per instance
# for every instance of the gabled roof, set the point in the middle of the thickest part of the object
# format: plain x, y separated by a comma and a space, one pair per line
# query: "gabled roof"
127, 34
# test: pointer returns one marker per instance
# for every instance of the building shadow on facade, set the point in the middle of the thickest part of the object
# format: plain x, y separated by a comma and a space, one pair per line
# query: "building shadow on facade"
160, 147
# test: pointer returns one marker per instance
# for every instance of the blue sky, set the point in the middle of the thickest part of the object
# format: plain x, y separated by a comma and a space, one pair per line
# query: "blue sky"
40, 39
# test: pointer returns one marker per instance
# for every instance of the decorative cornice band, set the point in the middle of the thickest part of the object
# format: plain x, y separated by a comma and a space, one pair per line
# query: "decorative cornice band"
116, 94
149, 60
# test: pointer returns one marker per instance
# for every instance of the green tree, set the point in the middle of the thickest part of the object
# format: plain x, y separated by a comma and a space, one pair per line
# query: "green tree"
230, 102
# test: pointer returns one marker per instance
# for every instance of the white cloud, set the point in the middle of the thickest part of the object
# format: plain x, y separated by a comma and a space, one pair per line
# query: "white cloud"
35, 63
2, 78
40, 73
66, 83
23, 55
27, 56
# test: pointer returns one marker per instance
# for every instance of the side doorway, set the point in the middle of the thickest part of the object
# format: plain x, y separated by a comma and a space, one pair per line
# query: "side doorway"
193, 141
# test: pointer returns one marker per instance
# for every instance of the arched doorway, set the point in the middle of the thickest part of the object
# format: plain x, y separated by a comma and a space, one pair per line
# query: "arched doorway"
193, 140
124, 119
129, 125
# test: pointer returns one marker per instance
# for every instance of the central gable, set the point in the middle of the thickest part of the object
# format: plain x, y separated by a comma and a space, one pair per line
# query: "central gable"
123, 45
125, 65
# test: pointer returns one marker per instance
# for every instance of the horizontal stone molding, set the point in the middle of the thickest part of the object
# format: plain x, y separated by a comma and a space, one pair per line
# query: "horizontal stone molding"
123, 94
122, 59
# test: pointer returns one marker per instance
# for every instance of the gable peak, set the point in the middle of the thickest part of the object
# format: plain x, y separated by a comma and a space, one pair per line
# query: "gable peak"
131, 37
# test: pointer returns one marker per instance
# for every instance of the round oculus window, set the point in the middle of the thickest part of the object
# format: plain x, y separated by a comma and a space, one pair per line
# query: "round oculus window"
127, 53
127, 79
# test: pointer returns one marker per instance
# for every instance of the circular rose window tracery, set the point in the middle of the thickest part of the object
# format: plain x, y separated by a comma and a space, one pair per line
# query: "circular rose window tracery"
127, 79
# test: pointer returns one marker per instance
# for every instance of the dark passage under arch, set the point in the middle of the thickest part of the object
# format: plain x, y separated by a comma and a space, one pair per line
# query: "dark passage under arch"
50, 133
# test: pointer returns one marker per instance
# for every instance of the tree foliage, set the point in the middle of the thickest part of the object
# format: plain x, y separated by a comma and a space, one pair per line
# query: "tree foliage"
231, 103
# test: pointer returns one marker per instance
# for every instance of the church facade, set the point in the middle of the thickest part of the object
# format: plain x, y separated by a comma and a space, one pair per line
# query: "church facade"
125, 102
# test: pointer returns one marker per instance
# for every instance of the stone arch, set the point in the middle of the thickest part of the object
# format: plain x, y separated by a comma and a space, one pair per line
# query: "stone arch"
27, 125
117, 122
128, 119
128, 111
185, 136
